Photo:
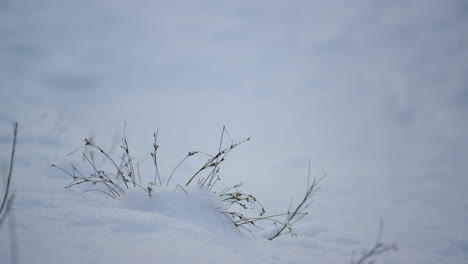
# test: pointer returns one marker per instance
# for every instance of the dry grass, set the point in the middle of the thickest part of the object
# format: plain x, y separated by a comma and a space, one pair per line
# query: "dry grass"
8, 199
7, 202
115, 185
236, 202
367, 256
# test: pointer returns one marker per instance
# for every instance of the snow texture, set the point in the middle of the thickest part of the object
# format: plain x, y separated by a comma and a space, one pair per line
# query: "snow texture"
373, 93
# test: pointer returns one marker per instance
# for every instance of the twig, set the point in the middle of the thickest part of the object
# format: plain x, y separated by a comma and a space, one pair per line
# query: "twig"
119, 171
310, 191
377, 249
191, 153
178, 186
7, 208
5, 196
12, 233
155, 160
215, 161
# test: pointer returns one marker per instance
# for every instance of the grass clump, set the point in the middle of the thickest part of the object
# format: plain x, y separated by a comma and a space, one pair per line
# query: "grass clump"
127, 175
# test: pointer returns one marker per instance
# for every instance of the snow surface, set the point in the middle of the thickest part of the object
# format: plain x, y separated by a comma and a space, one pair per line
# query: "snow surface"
373, 93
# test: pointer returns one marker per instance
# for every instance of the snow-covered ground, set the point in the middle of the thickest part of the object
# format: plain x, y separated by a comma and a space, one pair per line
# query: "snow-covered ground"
373, 93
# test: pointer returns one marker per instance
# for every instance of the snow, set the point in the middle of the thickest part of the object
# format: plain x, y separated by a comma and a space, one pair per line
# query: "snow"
373, 93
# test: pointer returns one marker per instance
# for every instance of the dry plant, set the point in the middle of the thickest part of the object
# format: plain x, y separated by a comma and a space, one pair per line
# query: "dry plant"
378, 249
116, 184
8, 199
113, 185
298, 212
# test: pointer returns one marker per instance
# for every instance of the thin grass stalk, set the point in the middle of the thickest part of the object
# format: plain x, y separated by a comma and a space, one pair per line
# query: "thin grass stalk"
298, 211
10, 172
177, 166
120, 172
155, 160
377, 249
12, 234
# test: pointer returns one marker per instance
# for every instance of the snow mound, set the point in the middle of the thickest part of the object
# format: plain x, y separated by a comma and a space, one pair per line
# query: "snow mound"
192, 206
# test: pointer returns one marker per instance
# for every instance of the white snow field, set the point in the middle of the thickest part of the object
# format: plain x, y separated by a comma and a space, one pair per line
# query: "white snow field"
373, 93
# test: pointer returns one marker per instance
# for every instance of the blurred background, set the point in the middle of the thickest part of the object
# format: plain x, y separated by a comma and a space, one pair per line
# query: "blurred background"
373, 93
